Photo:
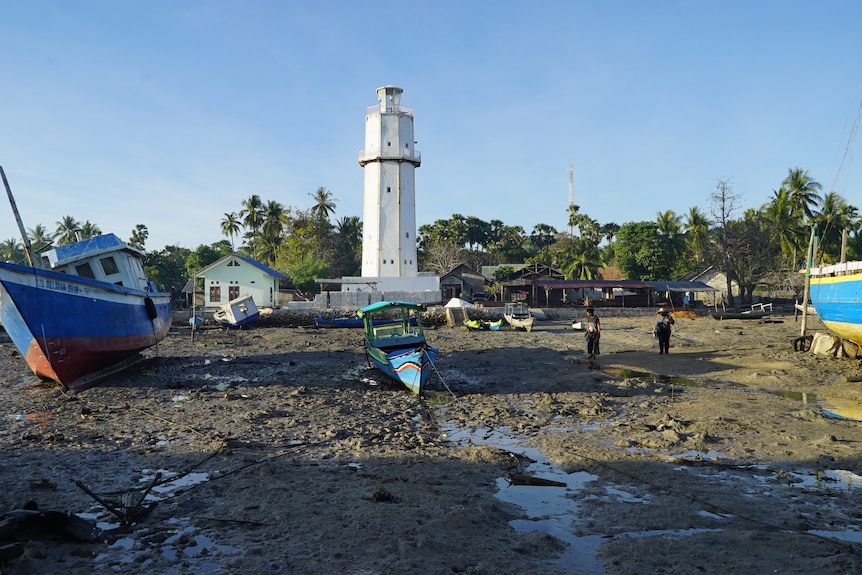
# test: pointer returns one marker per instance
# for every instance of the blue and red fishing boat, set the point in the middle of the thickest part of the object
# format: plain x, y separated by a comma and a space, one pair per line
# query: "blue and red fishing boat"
82, 311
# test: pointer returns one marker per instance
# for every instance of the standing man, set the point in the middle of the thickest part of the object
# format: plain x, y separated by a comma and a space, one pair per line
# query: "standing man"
593, 333
662, 330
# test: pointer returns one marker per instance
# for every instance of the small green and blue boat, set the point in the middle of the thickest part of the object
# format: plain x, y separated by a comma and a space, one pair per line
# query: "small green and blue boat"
398, 349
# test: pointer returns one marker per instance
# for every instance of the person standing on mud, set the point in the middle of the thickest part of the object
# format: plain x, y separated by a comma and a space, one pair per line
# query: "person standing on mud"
593, 333
662, 330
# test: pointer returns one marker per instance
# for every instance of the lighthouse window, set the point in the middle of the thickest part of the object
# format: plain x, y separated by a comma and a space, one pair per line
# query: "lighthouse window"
406, 234
388, 144
388, 189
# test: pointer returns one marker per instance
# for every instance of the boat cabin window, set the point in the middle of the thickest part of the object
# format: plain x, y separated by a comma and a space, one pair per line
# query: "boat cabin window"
85, 271
109, 266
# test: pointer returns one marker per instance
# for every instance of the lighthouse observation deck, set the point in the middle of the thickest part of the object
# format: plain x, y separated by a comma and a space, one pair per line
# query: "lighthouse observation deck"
393, 109
391, 154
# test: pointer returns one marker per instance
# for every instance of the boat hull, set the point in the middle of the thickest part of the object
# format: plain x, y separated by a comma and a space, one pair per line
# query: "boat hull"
74, 330
238, 312
483, 325
739, 315
249, 319
353, 322
838, 303
411, 367
398, 348
518, 316
520, 323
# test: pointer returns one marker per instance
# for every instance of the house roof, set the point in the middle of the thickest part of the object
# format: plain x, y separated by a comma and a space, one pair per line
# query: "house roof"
258, 265
190, 285
694, 276
611, 273
463, 271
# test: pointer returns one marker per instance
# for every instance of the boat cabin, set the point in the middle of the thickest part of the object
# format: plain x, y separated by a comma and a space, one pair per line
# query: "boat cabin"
103, 258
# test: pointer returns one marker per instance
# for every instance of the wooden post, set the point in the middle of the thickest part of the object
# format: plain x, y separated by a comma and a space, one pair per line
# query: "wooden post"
812, 249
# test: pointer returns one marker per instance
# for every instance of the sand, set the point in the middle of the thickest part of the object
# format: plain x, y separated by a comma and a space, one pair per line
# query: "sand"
289, 454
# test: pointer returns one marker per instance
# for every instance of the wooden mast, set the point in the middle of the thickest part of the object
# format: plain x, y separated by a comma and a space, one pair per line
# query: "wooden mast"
27, 248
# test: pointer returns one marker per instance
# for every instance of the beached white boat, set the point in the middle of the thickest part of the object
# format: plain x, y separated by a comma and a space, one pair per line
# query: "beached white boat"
518, 316
238, 312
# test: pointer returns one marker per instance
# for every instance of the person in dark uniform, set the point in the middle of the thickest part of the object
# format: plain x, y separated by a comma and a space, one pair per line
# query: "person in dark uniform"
662, 330
593, 333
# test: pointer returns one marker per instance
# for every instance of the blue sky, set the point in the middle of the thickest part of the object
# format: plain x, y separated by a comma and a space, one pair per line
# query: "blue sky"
169, 113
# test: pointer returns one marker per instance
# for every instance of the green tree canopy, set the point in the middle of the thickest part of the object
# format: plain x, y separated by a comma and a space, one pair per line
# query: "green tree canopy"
640, 253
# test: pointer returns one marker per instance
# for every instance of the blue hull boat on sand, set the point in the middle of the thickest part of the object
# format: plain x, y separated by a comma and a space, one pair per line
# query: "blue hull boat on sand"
398, 349
836, 294
84, 311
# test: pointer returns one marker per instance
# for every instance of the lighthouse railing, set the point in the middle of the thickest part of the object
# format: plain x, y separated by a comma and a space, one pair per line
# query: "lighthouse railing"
389, 154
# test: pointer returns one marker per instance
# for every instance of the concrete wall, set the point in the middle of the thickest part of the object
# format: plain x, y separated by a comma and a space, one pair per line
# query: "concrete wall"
352, 301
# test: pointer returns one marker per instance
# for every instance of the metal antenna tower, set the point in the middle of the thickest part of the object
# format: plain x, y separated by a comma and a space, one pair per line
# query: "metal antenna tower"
571, 185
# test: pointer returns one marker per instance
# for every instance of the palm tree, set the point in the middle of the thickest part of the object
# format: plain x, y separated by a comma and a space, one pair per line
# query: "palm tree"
590, 229
786, 225
349, 243
581, 260
609, 231
273, 219
542, 236
670, 230
668, 223
477, 231
40, 237
696, 230
230, 226
252, 213
11, 251
350, 229
804, 191
835, 216
67, 231
572, 221
90, 230
271, 229
324, 204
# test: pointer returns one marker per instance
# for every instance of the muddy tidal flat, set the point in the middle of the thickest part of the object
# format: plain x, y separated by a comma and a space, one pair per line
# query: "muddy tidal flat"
277, 449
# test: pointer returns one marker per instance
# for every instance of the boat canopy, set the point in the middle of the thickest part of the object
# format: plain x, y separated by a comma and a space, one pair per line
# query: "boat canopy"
384, 305
91, 247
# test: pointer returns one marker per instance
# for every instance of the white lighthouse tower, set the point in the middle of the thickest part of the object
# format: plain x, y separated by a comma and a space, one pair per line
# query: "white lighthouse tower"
389, 208
389, 162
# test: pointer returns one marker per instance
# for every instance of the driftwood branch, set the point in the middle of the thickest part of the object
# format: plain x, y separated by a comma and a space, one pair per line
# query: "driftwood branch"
127, 514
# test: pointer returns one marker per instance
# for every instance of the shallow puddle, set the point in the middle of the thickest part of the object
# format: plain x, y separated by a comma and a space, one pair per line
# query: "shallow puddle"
555, 510
551, 510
